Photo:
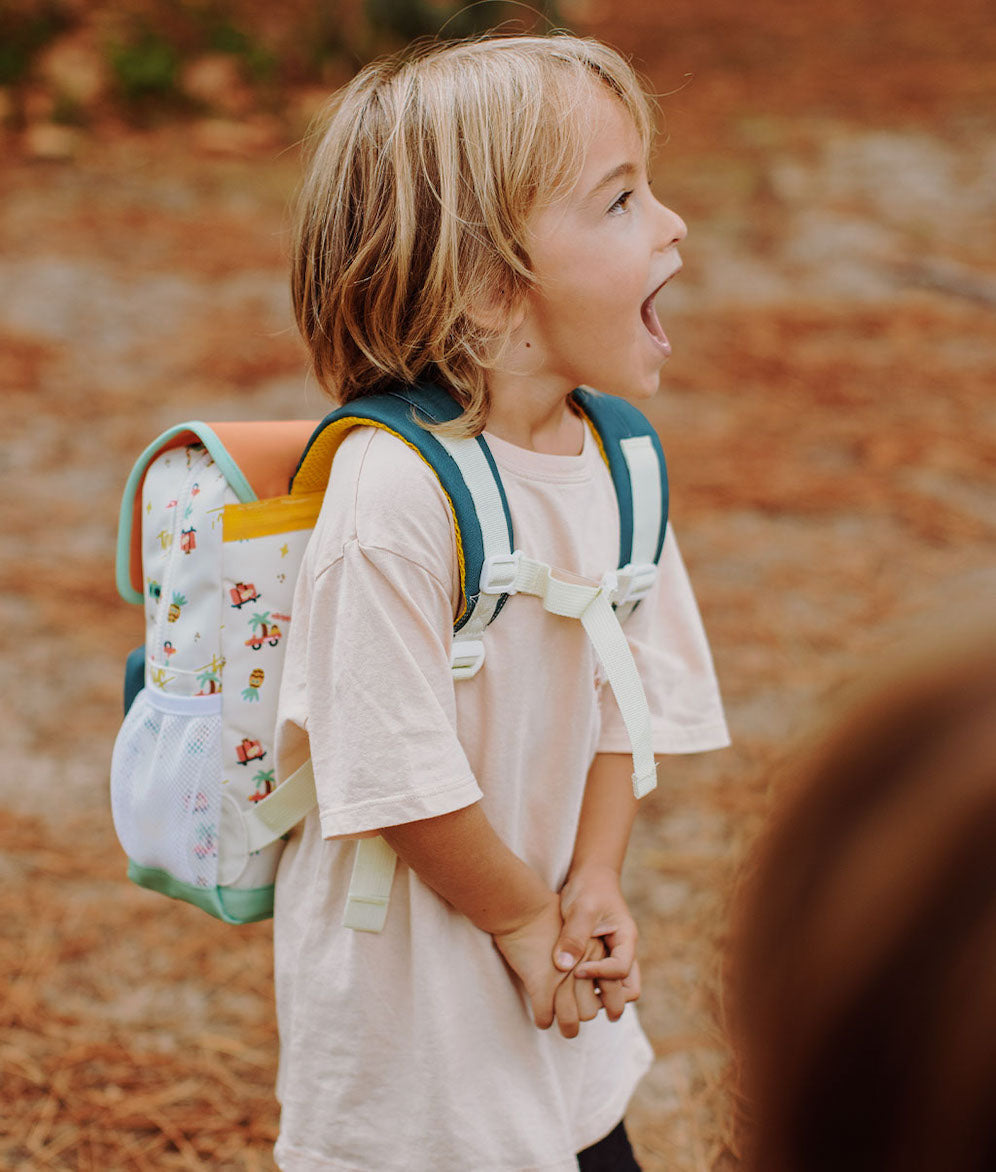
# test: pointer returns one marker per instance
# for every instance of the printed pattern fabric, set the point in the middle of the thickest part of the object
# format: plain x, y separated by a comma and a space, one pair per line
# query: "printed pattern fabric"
218, 602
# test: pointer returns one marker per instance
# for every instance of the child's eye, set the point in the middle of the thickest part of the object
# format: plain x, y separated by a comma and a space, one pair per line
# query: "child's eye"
620, 204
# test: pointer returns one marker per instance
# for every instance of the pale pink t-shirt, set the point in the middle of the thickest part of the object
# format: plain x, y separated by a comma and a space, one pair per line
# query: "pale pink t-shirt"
413, 1050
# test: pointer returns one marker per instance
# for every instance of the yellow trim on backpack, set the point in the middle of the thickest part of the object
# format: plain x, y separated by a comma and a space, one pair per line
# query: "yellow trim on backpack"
279, 514
313, 477
594, 431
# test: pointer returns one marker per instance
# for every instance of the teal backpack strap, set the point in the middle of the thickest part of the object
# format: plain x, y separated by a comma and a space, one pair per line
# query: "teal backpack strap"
468, 476
633, 453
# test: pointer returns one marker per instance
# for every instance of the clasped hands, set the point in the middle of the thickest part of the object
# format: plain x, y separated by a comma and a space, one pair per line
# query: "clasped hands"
576, 954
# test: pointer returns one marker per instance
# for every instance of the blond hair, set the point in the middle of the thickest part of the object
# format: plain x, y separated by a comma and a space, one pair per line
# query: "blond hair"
408, 244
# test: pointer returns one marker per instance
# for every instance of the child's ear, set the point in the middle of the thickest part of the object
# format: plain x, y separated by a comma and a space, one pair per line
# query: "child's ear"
498, 311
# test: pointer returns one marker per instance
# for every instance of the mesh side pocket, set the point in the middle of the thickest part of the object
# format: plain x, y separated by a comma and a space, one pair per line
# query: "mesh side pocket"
166, 789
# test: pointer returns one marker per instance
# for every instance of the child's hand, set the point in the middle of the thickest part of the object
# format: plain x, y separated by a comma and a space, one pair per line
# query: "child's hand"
584, 991
553, 995
592, 905
527, 951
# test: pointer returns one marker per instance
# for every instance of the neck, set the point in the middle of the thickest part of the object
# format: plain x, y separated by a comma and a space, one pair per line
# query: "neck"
538, 418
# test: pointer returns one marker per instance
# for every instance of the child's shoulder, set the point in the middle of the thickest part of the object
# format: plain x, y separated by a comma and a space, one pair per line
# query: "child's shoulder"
379, 466
383, 494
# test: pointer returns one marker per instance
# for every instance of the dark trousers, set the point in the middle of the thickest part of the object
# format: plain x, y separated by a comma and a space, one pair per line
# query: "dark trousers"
612, 1154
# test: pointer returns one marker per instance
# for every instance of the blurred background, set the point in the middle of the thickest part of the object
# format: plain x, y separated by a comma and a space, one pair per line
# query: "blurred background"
828, 415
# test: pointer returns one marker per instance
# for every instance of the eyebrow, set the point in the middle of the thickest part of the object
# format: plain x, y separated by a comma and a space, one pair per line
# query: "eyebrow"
628, 169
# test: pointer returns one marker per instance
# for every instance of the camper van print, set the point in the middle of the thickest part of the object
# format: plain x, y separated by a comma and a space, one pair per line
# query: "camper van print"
264, 630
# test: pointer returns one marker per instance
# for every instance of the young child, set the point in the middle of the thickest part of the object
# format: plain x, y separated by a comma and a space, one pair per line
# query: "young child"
478, 215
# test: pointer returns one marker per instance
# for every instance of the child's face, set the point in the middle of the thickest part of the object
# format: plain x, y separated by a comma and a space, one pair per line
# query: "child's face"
600, 255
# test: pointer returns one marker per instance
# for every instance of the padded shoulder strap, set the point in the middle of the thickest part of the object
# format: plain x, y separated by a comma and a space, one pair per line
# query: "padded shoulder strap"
636, 463
465, 469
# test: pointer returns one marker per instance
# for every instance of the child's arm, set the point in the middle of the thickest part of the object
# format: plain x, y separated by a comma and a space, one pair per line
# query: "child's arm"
592, 903
461, 857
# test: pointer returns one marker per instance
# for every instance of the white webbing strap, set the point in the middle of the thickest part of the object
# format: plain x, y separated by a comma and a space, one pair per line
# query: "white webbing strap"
483, 488
610, 643
370, 885
271, 818
593, 606
373, 870
645, 479
644, 468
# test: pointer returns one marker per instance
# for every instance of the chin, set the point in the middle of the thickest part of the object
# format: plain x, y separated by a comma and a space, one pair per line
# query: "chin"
645, 389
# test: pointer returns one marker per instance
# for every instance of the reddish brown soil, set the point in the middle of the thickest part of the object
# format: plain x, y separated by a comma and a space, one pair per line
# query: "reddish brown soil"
829, 421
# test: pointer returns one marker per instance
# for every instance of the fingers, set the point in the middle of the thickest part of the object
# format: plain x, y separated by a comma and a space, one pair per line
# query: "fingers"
631, 985
543, 1011
617, 994
580, 927
621, 958
566, 1009
613, 998
586, 979
610, 969
578, 1000
572, 941
588, 1000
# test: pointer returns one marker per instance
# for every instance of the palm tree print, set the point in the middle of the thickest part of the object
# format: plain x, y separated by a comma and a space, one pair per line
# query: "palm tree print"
209, 680
257, 620
265, 782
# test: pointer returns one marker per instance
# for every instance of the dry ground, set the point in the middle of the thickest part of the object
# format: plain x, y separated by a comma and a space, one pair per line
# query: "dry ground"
829, 421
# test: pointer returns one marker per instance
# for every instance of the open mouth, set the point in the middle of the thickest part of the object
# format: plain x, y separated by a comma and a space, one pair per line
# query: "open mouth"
648, 311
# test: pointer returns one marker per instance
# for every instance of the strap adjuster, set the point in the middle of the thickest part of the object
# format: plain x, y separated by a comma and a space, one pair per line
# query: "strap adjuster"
635, 582
466, 658
499, 572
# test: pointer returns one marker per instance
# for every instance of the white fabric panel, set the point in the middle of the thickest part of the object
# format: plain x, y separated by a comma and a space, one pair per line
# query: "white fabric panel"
183, 705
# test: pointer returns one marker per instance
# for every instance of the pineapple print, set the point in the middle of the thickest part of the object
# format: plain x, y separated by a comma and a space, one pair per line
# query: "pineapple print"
177, 602
251, 693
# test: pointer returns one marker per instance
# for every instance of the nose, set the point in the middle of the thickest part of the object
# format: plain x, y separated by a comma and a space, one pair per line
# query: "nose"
673, 227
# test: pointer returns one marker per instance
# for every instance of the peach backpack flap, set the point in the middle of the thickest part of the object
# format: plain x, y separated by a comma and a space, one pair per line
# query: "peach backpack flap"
214, 522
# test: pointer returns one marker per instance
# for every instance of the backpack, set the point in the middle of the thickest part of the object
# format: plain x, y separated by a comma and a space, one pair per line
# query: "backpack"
213, 526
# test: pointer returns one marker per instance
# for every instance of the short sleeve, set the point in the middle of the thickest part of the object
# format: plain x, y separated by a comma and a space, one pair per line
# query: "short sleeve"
382, 719
370, 679
672, 654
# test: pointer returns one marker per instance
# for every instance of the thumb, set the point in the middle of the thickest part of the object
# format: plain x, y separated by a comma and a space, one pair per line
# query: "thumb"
573, 939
